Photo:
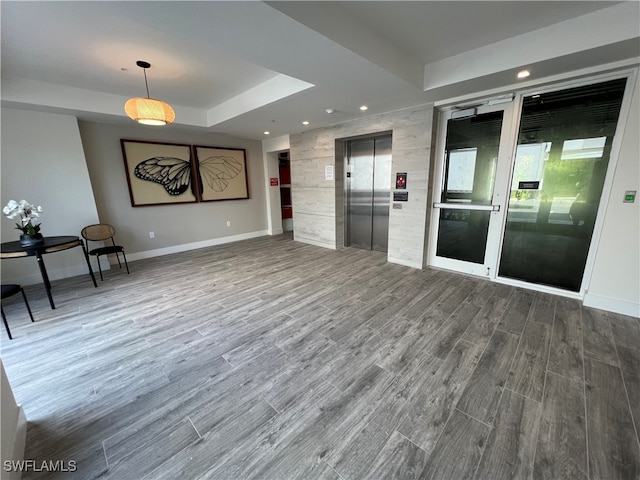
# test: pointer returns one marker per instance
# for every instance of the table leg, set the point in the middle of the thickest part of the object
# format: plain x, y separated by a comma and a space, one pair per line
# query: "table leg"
45, 279
86, 257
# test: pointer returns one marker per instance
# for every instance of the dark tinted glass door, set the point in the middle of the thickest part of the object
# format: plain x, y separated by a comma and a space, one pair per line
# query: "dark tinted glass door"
471, 158
561, 160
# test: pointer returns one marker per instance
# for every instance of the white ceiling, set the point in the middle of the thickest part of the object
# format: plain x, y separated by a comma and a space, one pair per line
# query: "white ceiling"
245, 67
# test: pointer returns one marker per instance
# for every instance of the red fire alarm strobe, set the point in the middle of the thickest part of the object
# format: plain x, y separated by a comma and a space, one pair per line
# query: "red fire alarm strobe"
401, 180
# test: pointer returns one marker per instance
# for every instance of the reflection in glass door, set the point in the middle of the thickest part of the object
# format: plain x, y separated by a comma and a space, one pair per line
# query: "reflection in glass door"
561, 161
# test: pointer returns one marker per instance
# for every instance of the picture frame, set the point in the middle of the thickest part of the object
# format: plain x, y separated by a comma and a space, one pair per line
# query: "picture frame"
221, 173
159, 173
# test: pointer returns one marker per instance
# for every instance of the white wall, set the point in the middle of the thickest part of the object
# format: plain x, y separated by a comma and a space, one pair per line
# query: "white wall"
13, 427
176, 227
43, 162
615, 279
76, 172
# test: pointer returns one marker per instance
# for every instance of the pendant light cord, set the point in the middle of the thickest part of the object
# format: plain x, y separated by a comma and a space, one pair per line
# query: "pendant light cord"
145, 81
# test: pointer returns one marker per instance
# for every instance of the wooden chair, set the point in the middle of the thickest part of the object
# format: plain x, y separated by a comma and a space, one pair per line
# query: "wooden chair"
103, 232
9, 291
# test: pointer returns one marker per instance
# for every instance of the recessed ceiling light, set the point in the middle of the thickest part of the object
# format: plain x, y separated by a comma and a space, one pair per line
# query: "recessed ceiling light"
305, 122
267, 132
330, 111
364, 107
523, 74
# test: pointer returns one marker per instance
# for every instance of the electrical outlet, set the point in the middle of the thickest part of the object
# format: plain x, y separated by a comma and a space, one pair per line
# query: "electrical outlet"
228, 223
152, 234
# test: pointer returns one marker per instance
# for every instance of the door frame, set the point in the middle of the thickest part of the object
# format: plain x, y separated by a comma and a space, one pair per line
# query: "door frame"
519, 92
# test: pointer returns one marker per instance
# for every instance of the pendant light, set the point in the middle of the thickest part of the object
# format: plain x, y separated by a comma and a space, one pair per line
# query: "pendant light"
148, 111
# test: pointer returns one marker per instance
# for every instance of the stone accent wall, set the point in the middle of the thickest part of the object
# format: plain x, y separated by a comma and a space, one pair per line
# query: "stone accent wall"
318, 204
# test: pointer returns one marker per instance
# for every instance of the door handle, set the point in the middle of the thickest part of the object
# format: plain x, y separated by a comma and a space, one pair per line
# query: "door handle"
467, 206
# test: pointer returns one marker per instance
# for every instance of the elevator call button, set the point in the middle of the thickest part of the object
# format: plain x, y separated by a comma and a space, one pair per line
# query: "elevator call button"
401, 180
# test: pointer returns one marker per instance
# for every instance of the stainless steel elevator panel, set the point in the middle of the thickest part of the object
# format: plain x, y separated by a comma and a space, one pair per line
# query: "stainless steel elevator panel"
368, 188
360, 193
381, 193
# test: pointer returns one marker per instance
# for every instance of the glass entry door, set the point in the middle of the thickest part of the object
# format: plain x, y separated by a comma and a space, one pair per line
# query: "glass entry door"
561, 160
518, 188
468, 211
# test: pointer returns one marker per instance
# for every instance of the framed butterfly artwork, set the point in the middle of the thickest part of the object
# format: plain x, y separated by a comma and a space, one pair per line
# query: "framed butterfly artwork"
167, 173
221, 173
159, 173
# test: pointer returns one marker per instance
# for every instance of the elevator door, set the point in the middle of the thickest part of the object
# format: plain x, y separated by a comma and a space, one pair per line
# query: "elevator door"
368, 188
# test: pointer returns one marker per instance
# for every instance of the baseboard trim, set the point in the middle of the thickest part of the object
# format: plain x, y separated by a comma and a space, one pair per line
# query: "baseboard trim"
612, 305
158, 252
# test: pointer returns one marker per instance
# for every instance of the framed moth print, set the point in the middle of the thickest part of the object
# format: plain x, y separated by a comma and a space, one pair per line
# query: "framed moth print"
159, 173
222, 173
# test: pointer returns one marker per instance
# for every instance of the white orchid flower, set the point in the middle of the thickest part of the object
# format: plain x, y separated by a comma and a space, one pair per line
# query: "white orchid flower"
27, 213
11, 209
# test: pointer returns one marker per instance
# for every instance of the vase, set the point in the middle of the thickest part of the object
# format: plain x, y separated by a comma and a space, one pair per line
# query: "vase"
27, 240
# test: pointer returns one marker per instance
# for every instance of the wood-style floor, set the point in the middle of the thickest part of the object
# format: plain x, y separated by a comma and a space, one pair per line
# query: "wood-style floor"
272, 359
